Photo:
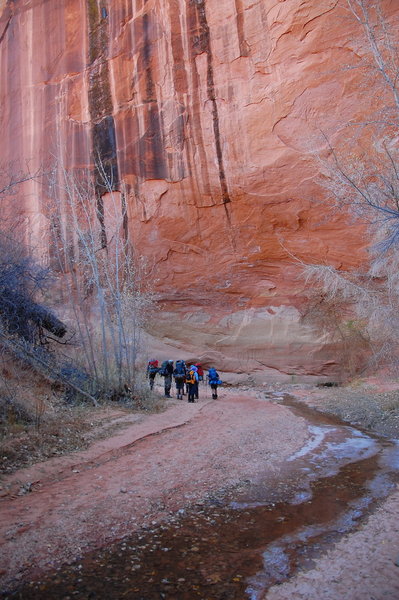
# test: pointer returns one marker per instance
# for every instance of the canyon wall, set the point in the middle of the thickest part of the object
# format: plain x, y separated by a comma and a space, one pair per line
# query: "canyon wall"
209, 114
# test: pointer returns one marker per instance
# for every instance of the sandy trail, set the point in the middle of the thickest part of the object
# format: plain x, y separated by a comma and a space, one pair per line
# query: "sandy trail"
162, 462
155, 466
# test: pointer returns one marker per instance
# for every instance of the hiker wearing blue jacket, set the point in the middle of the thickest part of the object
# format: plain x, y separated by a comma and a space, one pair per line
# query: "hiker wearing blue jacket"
214, 381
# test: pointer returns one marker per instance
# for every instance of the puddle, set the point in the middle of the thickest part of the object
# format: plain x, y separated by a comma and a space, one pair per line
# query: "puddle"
235, 546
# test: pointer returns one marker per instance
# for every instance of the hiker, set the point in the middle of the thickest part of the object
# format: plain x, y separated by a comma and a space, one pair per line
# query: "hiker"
179, 374
183, 362
200, 372
152, 370
167, 372
214, 381
185, 381
192, 382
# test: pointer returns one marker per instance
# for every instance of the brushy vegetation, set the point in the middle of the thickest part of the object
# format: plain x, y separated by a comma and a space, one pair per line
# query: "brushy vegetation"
109, 299
359, 309
75, 324
361, 405
36, 423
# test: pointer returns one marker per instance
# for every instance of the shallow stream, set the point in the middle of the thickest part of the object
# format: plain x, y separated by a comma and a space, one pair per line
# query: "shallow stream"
235, 545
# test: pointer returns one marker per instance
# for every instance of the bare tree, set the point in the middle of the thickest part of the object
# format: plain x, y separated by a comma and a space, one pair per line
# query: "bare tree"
22, 280
27, 325
13, 176
361, 176
108, 299
362, 173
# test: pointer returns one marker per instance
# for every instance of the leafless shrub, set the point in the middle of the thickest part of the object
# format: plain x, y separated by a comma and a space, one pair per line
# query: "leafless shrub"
29, 328
13, 175
25, 321
108, 299
22, 280
361, 176
362, 171
40, 409
366, 301
332, 308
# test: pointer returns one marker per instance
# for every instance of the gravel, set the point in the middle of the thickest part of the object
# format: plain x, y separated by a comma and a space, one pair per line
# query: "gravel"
365, 407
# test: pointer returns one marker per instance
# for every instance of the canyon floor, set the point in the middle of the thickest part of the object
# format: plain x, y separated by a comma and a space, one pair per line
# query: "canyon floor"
154, 466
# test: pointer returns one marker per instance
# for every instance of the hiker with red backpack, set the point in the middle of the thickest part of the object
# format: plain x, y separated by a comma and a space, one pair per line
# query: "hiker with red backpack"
200, 372
152, 370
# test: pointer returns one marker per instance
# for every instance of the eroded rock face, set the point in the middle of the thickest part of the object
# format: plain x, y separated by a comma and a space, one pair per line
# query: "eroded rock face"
206, 113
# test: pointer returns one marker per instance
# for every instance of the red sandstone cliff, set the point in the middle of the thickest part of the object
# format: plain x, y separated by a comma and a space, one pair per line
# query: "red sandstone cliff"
207, 112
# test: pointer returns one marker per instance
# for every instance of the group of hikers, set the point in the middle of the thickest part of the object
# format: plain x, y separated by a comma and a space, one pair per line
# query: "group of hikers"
186, 378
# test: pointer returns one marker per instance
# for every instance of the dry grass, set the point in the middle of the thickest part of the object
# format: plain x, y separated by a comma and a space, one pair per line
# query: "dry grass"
374, 411
24, 444
37, 424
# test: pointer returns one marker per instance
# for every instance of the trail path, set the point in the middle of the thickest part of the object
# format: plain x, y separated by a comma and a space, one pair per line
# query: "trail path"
155, 466
162, 462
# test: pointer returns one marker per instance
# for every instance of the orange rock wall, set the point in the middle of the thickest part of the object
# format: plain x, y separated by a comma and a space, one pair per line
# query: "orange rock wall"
207, 113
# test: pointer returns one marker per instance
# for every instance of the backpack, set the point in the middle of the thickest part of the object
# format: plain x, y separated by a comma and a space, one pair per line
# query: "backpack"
213, 375
179, 371
152, 367
163, 370
190, 377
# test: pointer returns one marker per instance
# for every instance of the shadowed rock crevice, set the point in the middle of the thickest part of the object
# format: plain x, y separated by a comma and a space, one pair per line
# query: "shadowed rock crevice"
244, 47
180, 85
5, 29
106, 176
202, 44
151, 143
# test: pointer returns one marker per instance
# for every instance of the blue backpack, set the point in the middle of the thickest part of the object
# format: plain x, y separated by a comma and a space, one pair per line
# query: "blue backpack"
213, 375
179, 369
163, 370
